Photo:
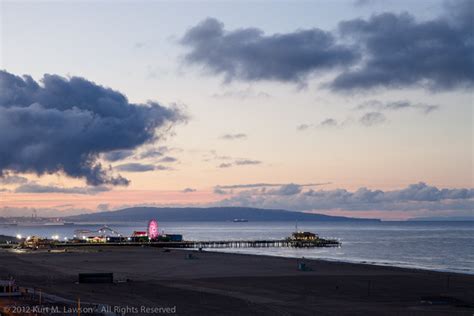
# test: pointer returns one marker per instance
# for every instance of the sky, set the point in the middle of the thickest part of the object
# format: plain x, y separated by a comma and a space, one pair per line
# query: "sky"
361, 108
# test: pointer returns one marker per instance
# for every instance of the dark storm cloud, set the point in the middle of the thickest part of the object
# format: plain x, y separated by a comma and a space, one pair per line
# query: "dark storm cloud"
384, 51
372, 118
64, 125
249, 54
401, 51
37, 188
397, 105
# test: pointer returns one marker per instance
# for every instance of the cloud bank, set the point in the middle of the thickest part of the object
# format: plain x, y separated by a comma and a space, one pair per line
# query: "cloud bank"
63, 125
415, 197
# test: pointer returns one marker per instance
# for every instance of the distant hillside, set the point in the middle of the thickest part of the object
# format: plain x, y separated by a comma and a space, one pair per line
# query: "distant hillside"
205, 214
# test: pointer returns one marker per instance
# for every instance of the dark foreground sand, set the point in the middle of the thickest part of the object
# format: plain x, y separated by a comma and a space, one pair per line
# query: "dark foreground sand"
229, 284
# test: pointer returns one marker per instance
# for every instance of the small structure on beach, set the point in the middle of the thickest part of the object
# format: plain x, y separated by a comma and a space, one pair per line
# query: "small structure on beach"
9, 288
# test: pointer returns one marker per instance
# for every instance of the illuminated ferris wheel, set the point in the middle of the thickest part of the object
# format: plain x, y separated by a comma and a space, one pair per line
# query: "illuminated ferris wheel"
153, 229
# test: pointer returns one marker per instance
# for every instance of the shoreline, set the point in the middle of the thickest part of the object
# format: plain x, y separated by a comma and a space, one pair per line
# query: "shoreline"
329, 260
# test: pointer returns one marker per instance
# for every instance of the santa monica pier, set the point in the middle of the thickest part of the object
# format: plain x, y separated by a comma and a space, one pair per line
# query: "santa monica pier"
151, 236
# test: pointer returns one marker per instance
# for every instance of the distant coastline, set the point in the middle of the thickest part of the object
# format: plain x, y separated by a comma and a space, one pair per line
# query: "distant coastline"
210, 214
442, 219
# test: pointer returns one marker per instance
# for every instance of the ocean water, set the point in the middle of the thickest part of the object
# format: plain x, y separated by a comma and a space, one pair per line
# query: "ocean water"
442, 246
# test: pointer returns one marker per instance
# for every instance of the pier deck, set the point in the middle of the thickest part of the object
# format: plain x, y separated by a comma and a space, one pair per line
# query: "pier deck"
217, 244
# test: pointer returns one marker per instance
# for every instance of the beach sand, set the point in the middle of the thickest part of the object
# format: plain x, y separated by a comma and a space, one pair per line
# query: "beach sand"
233, 284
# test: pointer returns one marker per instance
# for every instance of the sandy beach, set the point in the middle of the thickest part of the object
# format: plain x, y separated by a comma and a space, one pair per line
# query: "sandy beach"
230, 284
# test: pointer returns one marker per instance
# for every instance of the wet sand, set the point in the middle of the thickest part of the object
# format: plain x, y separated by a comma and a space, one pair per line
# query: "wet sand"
234, 284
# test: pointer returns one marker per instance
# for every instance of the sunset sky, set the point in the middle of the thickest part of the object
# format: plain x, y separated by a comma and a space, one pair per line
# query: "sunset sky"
359, 108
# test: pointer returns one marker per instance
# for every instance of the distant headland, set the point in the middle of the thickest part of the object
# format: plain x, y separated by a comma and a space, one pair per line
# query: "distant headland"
216, 214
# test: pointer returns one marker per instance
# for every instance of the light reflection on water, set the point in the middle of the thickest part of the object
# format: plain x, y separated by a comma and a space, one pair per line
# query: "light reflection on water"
445, 246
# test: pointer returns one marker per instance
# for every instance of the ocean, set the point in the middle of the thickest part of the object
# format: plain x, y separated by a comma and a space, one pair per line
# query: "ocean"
441, 246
